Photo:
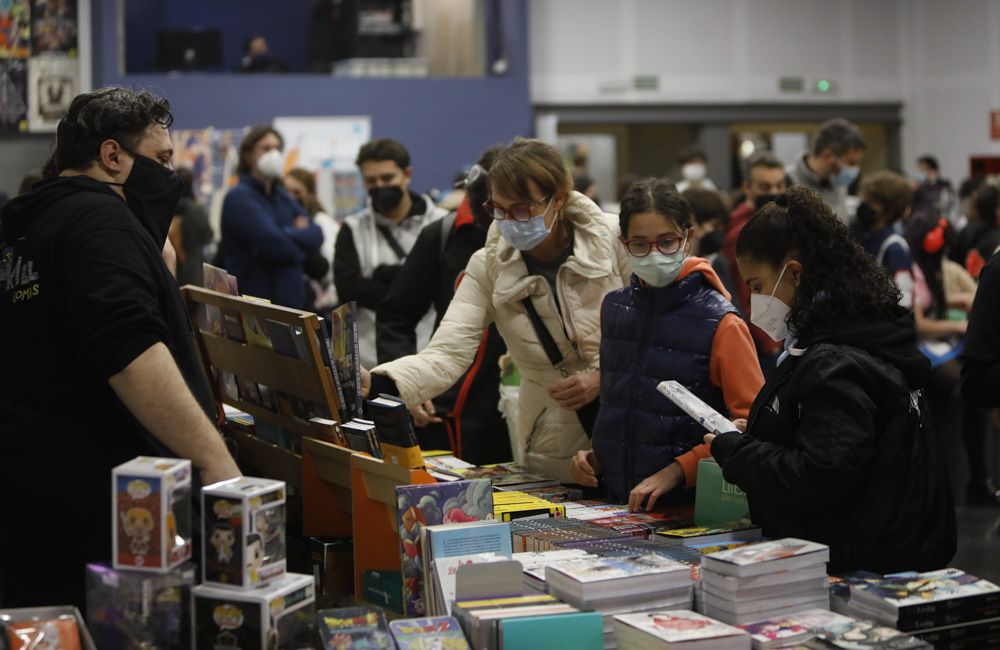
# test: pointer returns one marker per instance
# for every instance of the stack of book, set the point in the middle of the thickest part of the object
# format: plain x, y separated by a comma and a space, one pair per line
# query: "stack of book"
945, 607
515, 504
677, 629
439, 595
699, 536
576, 630
397, 439
618, 585
533, 566
480, 619
765, 580
794, 629
555, 532
425, 633
508, 476
554, 493
444, 465
441, 543
359, 435
870, 635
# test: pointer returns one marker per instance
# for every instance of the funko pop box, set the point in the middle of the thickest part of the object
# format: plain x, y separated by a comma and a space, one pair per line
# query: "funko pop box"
151, 507
281, 615
243, 538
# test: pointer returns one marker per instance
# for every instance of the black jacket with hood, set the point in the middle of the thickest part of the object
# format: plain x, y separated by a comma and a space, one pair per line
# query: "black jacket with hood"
837, 450
83, 292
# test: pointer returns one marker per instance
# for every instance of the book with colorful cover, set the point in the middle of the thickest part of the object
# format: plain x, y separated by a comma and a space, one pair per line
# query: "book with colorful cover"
678, 627
864, 635
439, 633
794, 628
709, 535
614, 568
347, 360
350, 628
767, 557
911, 601
432, 505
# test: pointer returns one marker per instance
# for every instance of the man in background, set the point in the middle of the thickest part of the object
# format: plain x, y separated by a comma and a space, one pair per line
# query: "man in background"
833, 165
373, 244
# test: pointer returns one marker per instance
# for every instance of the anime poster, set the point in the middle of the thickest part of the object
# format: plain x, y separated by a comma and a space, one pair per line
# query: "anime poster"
328, 147
211, 155
13, 95
52, 85
15, 29
53, 26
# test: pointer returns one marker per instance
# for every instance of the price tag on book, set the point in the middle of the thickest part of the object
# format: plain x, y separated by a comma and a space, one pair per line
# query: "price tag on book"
703, 414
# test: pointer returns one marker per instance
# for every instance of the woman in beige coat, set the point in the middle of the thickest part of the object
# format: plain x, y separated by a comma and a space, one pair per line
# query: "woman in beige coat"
556, 248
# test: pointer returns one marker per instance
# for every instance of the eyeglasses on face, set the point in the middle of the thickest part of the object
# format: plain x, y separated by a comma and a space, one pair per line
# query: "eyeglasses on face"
641, 247
520, 211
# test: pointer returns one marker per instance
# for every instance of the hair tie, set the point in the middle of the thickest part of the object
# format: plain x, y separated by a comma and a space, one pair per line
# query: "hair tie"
781, 200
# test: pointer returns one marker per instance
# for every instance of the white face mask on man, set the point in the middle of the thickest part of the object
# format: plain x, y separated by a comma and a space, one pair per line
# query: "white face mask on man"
769, 313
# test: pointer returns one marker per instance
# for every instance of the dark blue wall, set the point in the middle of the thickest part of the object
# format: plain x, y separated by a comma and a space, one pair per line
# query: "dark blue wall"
286, 28
444, 122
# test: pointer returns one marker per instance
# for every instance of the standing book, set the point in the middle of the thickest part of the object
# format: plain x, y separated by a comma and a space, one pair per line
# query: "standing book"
395, 432
432, 505
347, 360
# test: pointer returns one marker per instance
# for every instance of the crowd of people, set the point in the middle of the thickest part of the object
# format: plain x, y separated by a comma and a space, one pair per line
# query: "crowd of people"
841, 342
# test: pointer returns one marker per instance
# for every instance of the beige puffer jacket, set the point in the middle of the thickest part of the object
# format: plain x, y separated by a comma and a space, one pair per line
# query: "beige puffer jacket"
496, 280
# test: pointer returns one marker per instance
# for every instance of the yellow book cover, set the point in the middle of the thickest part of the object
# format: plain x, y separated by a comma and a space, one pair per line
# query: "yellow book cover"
406, 457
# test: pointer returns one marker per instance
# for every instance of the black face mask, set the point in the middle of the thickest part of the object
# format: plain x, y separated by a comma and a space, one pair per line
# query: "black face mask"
866, 215
711, 243
152, 192
763, 200
386, 198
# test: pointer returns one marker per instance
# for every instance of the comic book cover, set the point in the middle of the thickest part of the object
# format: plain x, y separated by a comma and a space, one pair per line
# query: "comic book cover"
15, 29
346, 357
52, 85
353, 627
440, 633
53, 26
778, 549
869, 635
431, 505
13, 95
907, 590
612, 568
677, 626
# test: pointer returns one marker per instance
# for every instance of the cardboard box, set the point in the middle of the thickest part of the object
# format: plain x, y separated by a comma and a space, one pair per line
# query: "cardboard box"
281, 615
132, 609
243, 538
151, 503
45, 627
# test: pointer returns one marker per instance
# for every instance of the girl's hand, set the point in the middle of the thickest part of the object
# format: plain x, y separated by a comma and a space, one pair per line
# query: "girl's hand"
655, 486
584, 468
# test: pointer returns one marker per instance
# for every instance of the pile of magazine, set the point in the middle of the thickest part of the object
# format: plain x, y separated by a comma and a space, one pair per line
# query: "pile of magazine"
618, 585
765, 580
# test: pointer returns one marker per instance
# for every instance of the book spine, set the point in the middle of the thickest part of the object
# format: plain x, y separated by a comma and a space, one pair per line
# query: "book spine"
965, 634
978, 611
353, 311
324, 346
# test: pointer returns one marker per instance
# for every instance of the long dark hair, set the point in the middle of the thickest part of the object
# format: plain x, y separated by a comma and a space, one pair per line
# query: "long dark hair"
655, 195
800, 225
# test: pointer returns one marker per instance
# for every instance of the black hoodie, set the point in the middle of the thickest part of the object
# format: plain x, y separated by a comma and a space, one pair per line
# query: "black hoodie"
83, 292
836, 450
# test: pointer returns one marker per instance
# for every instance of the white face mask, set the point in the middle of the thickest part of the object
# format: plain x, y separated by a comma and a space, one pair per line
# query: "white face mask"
770, 314
271, 164
693, 172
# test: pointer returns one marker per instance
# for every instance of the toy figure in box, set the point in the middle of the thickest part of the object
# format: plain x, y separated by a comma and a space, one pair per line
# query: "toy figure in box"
152, 522
244, 522
279, 616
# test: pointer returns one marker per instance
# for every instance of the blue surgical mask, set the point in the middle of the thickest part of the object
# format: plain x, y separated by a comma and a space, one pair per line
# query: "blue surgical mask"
657, 269
920, 177
525, 235
847, 175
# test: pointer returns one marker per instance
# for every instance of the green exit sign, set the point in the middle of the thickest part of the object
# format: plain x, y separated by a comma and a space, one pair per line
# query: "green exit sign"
646, 82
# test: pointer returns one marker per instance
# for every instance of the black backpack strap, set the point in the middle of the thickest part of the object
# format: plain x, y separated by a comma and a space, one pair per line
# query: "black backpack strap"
391, 240
544, 336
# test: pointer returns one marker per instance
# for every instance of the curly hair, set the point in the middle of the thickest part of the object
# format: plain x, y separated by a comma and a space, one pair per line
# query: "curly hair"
799, 225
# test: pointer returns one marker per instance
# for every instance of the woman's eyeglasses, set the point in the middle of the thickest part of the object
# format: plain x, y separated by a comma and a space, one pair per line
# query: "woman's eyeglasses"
641, 247
520, 211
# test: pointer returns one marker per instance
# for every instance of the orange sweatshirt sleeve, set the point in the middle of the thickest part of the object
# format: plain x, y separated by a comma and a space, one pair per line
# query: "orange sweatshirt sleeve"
735, 369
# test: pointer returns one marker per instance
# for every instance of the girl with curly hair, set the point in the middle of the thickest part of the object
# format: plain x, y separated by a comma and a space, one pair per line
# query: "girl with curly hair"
836, 447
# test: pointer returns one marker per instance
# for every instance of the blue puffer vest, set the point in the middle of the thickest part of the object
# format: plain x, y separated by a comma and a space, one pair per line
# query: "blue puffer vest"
649, 335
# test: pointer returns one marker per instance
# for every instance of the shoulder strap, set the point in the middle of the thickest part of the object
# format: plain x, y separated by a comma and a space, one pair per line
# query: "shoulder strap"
447, 223
544, 336
391, 240
889, 241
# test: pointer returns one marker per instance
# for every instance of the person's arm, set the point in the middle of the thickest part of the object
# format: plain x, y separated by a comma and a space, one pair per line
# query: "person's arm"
410, 297
933, 328
153, 390
351, 284
453, 347
833, 442
309, 239
249, 226
733, 368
